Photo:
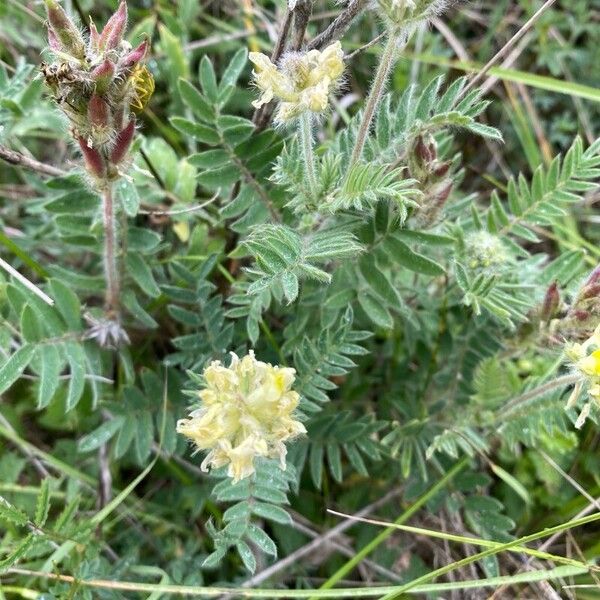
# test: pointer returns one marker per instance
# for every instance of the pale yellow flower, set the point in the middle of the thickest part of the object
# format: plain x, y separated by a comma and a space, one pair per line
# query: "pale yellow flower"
247, 412
302, 83
585, 362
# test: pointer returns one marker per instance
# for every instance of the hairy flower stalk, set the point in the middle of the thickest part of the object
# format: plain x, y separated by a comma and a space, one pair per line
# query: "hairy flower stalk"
306, 143
402, 17
99, 85
111, 270
246, 412
386, 62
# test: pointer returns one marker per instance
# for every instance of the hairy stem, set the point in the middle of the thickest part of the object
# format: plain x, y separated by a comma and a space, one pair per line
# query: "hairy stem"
306, 144
386, 62
113, 284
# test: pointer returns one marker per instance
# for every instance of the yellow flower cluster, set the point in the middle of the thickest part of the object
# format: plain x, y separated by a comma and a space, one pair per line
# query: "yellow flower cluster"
302, 82
585, 360
246, 412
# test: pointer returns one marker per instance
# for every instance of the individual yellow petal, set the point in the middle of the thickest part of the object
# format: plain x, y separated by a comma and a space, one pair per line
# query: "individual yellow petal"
316, 98
331, 62
590, 365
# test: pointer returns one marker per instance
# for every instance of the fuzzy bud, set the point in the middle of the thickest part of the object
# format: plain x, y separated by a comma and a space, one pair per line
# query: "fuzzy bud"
65, 31
135, 56
103, 76
426, 152
98, 111
590, 291
112, 34
441, 169
551, 302
94, 37
443, 193
93, 159
53, 42
123, 142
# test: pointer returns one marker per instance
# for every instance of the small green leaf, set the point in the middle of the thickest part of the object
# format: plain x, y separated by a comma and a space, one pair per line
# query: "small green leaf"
272, 513
141, 273
11, 513
196, 101
42, 503
100, 435
246, 555
400, 253
14, 366
258, 537
49, 377
208, 79
199, 132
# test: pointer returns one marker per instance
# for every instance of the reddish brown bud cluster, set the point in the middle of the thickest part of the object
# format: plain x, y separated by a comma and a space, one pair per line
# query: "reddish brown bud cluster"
432, 174
582, 316
551, 302
96, 85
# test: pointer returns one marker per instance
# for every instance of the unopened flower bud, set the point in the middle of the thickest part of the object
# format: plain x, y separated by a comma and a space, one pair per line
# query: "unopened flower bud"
93, 159
590, 291
53, 42
426, 152
485, 252
551, 302
594, 276
65, 30
112, 34
123, 142
103, 76
135, 56
591, 288
441, 168
442, 193
98, 111
94, 37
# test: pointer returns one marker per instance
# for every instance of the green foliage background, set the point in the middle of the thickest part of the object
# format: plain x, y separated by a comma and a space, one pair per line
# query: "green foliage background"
415, 351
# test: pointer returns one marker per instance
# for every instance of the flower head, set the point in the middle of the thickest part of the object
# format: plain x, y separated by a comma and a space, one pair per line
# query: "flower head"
246, 412
484, 251
302, 82
585, 362
408, 13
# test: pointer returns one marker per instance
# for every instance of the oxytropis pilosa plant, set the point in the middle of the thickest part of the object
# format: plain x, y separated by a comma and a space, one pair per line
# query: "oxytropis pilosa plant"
99, 83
